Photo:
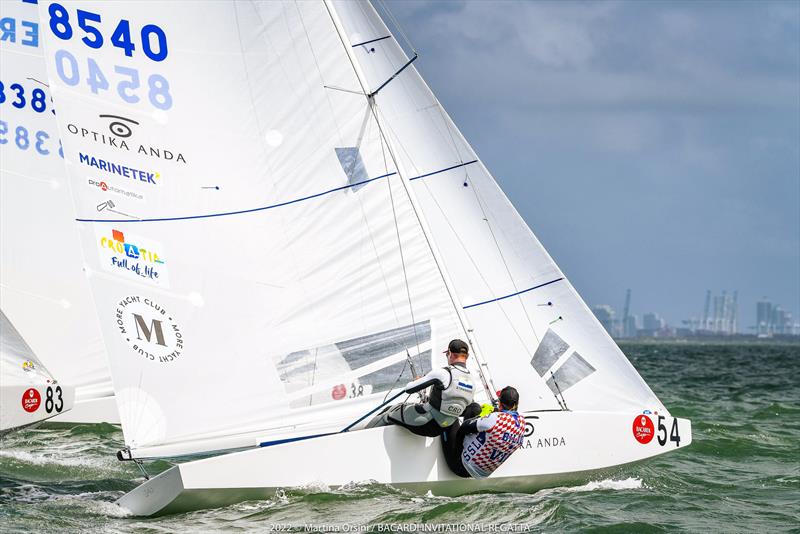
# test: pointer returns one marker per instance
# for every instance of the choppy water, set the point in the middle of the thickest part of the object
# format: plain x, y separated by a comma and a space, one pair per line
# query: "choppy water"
741, 474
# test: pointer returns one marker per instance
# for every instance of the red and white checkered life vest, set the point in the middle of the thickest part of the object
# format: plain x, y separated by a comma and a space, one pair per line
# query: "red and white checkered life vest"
487, 450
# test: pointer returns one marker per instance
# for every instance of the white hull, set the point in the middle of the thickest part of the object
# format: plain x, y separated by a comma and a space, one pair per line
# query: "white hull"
91, 411
15, 397
564, 447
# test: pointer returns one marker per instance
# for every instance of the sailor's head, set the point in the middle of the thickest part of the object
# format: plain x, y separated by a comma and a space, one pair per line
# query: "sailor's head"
509, 398
457, 351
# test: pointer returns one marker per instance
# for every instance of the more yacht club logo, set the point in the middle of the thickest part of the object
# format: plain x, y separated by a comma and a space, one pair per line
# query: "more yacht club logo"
120, 136
149, 329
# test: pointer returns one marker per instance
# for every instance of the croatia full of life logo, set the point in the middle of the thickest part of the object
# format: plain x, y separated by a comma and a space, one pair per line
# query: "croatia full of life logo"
643, 429
132, 256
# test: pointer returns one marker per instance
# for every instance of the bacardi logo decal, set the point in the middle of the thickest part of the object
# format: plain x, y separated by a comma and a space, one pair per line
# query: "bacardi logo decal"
643, 429
31, 400
339, 392
149, 329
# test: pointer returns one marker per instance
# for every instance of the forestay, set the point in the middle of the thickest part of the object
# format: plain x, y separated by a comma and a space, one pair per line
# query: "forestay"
267, 273
42, 286
533, 328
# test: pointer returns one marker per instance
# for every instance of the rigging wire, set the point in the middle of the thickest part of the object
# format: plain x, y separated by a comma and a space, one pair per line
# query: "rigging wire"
397, 232
487, 383
467, 254
467, 179
359, 141
397, 25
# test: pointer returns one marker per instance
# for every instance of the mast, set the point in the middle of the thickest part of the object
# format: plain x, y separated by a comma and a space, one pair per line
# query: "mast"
483, 368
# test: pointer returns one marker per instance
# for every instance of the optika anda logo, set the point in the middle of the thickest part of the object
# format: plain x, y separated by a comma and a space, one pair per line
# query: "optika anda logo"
119, 127
122, 129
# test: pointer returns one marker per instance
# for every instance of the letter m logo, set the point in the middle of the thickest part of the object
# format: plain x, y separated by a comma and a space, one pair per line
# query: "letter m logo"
154, 328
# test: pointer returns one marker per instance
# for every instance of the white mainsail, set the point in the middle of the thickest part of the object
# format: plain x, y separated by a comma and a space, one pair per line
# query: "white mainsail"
275, 223
301, 235
43, 289
28, 392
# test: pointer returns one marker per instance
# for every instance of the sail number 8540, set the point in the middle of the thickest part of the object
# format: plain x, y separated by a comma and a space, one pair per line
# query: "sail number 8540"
674, 434
153, 39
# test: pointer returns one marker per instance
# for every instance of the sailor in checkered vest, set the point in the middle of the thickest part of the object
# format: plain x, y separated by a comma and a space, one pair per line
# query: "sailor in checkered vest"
479, 446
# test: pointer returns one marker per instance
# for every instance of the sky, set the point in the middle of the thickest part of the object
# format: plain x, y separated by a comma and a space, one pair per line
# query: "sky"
649, 145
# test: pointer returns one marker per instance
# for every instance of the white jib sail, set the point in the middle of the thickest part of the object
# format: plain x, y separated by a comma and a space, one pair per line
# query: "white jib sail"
268, 273
532, 326
42, 286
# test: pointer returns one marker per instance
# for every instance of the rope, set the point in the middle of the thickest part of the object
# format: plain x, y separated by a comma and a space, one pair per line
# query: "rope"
397, 25
399, 241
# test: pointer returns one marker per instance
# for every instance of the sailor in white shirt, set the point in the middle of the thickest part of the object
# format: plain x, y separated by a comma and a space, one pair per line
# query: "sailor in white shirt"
451, 391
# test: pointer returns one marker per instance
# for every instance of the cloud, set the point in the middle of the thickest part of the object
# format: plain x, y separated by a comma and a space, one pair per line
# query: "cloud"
675, 124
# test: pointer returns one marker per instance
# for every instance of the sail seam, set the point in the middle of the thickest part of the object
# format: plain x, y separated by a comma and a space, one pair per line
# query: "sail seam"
513, 294
278, 205
251, 210
371, 41
443, 170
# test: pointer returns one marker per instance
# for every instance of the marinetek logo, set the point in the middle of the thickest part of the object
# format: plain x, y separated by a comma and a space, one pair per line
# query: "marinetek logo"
149, 329
131, 256
120, 136
110, 167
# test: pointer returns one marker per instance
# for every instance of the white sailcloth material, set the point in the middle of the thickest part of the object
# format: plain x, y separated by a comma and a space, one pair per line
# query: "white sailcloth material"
266, 271
28, 392
42, 286
19, 364
534, 329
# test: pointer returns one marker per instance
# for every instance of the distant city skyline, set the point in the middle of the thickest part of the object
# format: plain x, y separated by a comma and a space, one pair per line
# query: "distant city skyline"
744, 309
720, 316
649, 145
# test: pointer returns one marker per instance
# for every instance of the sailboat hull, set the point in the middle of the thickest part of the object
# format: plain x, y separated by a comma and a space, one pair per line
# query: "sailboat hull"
24, 405
90, 411
561, 448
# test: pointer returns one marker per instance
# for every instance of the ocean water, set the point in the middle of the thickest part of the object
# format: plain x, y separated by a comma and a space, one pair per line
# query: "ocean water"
741, 473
